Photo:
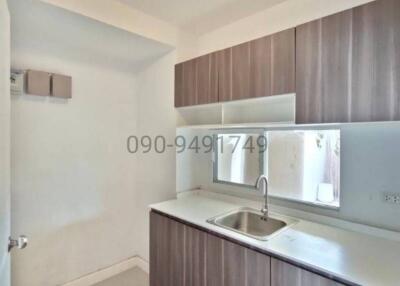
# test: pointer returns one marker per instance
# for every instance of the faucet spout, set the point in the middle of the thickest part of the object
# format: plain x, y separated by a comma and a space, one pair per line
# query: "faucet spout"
262, 185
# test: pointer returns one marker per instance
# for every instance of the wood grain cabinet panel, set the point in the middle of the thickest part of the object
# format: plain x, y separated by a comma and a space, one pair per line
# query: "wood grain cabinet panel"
234, 264
179, 100
284, 274
264, 66
323, 70
189, 88
166, 252
241, 71
258, 269
158, 250
183, 255
196, 81
214, 261
195, 257
224, 69
260, 67
376, 61
347, 66
283, 62
206, 79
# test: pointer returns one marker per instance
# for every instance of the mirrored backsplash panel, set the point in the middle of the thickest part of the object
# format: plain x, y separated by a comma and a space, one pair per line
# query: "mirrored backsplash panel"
237, 158
301, 165
304, 165
369, 170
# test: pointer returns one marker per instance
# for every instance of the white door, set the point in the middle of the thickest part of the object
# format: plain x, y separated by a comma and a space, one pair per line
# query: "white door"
4, 143
6, 243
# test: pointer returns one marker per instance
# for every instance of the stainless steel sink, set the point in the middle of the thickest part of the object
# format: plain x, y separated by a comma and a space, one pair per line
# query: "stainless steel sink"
251, 223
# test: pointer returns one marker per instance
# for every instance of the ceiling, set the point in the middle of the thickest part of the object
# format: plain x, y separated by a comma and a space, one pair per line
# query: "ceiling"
48, 30
200, 16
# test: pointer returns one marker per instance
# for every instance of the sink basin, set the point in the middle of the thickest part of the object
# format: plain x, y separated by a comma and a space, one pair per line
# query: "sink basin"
250, 222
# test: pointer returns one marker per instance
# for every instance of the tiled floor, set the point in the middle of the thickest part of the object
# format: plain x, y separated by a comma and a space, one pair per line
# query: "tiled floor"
133, 277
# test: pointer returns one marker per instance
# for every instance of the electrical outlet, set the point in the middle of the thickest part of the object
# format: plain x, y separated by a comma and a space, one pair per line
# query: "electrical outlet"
391, 198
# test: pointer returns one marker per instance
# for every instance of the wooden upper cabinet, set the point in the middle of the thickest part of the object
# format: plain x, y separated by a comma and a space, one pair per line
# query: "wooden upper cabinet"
283, 53
262, 67
241, 71
196, 81
179, 98
376, 61
224, 68
206, 79
323, 72
347, 66
189, 92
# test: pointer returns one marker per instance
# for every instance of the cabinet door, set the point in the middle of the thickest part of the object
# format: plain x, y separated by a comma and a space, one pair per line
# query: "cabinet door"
196, 81
179, 101
166, 251
224, 68
206, 79
195, 257
261, 67
189, 83
264, 67
376, 61
234, 264
284, 274
323, 69
214, 261
258, 269
347, 66
181, 256
241, 71
283, 52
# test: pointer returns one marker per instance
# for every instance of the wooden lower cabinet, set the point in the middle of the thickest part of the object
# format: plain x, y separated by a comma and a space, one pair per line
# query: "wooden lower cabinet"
284, 274
181, 255
166, 238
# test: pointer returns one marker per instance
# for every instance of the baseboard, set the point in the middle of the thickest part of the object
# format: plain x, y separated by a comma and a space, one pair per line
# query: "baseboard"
111, 271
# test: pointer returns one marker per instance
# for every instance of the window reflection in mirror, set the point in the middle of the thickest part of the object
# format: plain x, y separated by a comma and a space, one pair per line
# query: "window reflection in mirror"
304, 165
239, 158
301, 165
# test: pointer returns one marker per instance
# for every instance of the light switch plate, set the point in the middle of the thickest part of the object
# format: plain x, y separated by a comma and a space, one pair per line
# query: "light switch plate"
61, 86
37, 83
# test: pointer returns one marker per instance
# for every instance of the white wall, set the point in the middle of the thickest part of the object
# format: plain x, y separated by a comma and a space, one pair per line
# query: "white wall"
4, 142
78, 194
157, 117
73, 183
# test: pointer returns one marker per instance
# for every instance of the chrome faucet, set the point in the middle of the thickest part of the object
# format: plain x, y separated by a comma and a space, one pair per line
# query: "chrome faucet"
264, 189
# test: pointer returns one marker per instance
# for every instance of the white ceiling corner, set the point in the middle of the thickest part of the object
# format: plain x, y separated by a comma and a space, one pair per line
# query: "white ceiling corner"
200, 17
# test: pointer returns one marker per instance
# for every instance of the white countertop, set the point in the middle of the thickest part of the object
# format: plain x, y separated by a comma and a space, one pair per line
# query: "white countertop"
355, 257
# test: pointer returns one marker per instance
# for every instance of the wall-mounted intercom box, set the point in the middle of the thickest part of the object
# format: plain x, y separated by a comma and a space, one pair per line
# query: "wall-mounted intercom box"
16, 83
